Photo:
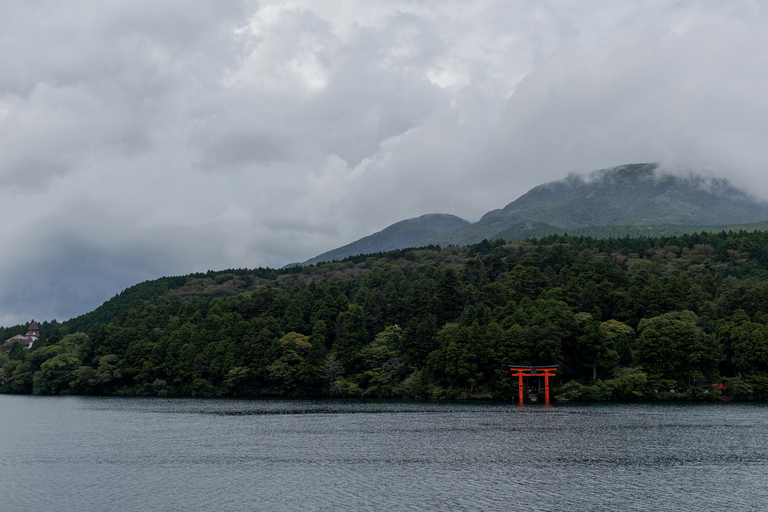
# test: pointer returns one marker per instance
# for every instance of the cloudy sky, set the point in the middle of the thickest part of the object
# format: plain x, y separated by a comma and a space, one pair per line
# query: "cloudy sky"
143, 138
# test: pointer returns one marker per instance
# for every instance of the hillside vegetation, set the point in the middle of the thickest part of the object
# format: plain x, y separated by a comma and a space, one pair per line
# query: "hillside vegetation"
526, 230
626, 319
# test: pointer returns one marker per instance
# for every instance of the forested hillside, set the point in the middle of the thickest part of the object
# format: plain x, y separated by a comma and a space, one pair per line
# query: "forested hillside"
626, 319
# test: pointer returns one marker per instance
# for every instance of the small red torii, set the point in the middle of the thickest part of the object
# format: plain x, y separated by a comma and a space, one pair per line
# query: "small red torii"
534, 371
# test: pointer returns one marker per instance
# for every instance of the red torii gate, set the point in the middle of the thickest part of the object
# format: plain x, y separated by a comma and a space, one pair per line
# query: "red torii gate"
534, 371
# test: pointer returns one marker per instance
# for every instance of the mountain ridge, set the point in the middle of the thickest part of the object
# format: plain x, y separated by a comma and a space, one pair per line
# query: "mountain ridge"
626, 195
405, 233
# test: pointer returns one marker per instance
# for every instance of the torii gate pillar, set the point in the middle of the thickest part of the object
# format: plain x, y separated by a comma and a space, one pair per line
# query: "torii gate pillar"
534, 371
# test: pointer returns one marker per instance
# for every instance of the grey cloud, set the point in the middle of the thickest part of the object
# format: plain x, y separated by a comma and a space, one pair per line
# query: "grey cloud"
354, 148
70, 271
649, 95
244, 147
135, 141
72, 274
169, 137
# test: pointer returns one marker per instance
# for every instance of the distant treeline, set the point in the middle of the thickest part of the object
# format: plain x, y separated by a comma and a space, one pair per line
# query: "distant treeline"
625, 318
527, 230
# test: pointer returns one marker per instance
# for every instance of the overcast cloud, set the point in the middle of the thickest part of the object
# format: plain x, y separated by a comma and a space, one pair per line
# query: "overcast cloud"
148, 138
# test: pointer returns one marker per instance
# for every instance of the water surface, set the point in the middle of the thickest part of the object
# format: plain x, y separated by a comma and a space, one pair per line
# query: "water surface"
125, 454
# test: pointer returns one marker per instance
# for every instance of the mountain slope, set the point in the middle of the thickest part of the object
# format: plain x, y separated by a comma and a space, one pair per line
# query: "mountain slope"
406, 233
628, 195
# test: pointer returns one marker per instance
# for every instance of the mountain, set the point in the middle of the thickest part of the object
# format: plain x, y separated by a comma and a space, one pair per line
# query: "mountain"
406, 233
623, 202
628, 195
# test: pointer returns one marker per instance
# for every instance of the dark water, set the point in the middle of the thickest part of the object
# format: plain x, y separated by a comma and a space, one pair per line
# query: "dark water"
113, 454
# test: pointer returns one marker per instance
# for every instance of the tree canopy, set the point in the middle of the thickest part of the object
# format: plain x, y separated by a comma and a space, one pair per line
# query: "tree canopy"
626, 319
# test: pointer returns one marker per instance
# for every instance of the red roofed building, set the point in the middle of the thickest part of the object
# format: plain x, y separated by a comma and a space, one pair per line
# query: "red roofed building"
33, 333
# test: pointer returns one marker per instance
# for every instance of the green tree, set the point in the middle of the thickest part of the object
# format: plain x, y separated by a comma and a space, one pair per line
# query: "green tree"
55, 375
596, 345
749, 344
351, 337
673, 346
623, 339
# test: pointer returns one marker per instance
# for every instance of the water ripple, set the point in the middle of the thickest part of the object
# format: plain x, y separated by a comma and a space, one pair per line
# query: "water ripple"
116, 454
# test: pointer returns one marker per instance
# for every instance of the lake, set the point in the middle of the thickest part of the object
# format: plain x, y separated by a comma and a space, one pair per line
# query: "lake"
156, 454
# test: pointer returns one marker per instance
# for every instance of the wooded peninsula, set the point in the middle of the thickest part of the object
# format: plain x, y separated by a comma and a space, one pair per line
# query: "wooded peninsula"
625, 319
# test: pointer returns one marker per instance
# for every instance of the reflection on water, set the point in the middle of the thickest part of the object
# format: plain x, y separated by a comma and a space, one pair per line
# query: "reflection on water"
117, 454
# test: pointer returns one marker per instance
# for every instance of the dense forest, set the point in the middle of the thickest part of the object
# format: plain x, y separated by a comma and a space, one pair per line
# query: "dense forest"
625, 319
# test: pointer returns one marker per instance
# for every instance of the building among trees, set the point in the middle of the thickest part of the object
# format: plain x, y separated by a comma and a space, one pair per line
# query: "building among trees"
33, 334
